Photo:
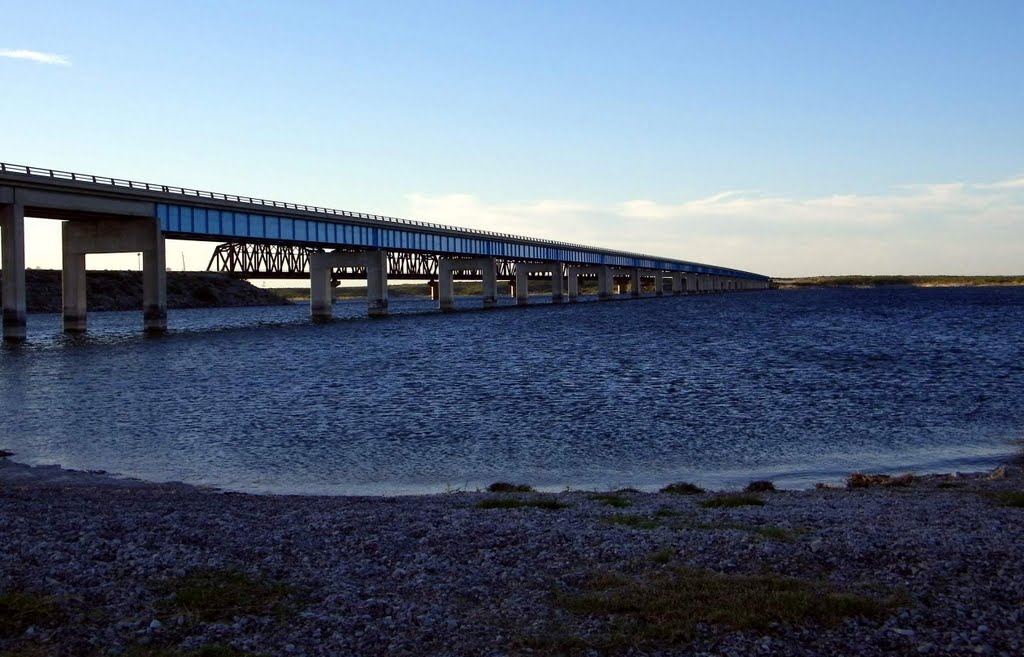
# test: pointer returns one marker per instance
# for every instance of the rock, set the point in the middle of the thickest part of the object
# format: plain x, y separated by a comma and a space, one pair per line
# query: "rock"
155, 625
1002, 472
817, 546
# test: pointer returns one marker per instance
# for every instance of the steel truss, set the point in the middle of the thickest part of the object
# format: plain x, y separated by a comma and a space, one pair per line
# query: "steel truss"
259, 260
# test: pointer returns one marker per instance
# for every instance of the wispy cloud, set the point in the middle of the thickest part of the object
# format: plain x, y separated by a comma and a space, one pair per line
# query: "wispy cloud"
955, 227
36, 56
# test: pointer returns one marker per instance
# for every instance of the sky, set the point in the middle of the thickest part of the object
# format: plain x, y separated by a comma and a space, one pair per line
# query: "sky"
787, 138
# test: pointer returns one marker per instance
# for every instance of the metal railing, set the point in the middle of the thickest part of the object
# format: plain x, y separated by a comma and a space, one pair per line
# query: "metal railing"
196, 193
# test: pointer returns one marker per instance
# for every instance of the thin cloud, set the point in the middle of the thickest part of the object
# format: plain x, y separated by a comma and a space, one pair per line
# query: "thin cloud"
36, 56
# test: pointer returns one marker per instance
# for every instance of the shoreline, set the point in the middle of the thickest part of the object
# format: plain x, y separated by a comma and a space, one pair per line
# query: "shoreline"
934, 565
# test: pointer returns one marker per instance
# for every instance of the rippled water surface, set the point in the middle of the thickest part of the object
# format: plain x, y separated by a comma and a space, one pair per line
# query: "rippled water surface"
799, 386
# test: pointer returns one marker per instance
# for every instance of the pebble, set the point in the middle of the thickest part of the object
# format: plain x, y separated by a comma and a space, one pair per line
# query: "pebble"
436, 576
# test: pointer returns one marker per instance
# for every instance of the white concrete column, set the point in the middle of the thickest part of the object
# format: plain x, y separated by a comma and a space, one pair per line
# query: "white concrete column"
489, 270
377, 283
659, 283
605, 280
12, 236
573, 274
557, 282
445, 285
321, 293
677, 283
634, 283
115, 235
154, 286
73, 288
522, 284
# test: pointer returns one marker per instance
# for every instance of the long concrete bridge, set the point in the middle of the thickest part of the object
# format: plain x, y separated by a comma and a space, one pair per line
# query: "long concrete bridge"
112, 215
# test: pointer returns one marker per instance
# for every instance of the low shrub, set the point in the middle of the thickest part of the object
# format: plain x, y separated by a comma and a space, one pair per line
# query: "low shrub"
682, 488
732, 501
760, 486
506, 487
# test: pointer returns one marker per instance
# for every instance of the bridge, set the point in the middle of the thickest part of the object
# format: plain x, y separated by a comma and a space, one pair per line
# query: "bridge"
268, 239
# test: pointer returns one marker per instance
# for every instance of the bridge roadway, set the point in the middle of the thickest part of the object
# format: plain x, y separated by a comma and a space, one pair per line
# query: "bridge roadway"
111, 215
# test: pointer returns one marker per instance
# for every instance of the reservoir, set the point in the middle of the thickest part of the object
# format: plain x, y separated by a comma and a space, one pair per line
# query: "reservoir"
796, 386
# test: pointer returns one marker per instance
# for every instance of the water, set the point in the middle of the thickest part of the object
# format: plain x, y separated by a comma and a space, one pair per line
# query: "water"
798, 386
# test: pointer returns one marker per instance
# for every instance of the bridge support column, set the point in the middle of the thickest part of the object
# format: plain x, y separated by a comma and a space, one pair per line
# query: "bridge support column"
659, 283
12, 236
524, 269
489, 270
522, 284
605, 280
634, 283
677, 283
445, 286
73, 288
557, 283
573, 275
109, 235
377, 283
321, 293
488, 267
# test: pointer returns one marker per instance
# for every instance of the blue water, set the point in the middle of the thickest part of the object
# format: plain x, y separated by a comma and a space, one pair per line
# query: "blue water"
796, 386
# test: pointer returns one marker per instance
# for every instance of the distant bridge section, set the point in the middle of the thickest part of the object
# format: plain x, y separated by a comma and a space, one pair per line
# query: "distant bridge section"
265, 239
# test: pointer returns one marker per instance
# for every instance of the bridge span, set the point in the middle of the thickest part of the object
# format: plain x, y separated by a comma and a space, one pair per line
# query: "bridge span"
268, 239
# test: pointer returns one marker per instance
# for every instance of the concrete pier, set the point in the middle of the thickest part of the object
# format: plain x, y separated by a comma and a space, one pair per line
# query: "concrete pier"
634, 283
113, 235
72, 287
12, 236
321, 292
522, 283
678, 283
446, 268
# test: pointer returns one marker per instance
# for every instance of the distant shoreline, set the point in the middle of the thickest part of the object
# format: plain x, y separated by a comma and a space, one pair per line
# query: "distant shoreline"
122, 290
897, 281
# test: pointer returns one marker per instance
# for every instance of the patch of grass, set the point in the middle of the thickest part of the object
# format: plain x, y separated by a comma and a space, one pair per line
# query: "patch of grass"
549, 503
949, 484
219, 595
506, 487
637, 522
660, 610
732, 501
1013, 499
20, 610
611, 499
768, 532
682, 488
665, 512
662, 556
760, 486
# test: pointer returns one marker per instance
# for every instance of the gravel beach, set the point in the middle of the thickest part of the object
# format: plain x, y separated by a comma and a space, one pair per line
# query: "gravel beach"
92, 565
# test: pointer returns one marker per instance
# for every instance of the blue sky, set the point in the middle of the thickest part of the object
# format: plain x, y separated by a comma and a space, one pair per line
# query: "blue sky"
784, 137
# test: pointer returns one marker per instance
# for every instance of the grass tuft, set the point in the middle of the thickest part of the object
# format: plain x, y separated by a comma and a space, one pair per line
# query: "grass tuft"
549, 503
506, 487
219, 595
662, 556
20, 610
760, 486
655, 611
637, 522
1014, 499
682, 488
665, 512
611, 499
732, 501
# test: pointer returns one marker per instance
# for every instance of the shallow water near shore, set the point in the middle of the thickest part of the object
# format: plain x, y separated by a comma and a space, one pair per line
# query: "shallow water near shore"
796, 386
